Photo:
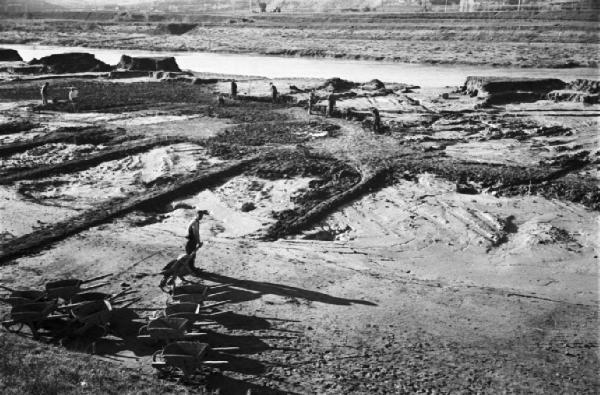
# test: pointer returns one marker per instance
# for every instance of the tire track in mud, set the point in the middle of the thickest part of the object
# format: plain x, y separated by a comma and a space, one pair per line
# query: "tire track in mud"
36, 241
92, 160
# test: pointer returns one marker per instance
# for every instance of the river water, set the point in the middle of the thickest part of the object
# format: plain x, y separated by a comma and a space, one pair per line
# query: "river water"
282, 67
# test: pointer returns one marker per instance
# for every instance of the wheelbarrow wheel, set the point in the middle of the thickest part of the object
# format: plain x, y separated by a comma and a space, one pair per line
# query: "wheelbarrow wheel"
10, 327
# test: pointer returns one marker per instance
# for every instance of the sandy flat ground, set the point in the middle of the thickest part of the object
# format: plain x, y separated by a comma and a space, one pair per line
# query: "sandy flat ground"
420, 288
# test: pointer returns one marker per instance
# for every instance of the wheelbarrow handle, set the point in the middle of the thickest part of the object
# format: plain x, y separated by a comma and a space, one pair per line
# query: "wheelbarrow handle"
96, 278
94, 286
130, 302
122, 293
208, 306
217, 294
7, 288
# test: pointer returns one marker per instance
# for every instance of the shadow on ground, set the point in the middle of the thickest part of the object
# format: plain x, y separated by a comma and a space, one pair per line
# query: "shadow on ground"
259, 288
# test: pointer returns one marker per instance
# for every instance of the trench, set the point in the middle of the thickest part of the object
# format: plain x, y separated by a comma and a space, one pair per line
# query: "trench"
92, 160
43, 238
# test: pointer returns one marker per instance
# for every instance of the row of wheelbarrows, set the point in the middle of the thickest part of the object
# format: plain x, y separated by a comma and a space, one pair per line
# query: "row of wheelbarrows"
68, 308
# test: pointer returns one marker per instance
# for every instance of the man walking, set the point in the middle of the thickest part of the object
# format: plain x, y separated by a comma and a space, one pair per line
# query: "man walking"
376, 121
44, 93
194, 242
311, 101
233, 89
73, 96
273, 92
330, 104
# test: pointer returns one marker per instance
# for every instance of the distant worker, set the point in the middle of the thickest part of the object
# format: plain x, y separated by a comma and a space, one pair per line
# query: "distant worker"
194, 242
273, 92
73, 97
44, 93
233, 89
376, 121
312, 99
221, 100
330, 104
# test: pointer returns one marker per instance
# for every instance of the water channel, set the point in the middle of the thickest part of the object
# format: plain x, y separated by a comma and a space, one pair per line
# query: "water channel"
282, 67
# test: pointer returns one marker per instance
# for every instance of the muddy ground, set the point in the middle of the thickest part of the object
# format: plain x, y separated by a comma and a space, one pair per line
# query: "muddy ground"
453, 39
454, 252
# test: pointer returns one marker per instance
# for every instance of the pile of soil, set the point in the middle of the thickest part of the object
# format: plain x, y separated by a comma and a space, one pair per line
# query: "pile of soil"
373, 85
148, 64
9, 55
338, 85
175, 28
74, 62
503, 90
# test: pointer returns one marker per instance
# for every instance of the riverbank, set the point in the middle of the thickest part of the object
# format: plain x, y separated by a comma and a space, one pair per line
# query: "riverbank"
507, 42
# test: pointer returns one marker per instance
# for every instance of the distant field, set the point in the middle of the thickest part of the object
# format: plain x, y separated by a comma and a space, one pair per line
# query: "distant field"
500, 39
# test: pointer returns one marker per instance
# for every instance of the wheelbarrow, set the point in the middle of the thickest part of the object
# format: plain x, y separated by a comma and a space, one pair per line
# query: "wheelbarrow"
65, 289
18, 297
193, 312
95, 312
187, 357
168, 329
31, 315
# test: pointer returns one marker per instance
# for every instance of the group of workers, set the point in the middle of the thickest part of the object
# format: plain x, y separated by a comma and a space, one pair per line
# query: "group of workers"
73, 95
312, 101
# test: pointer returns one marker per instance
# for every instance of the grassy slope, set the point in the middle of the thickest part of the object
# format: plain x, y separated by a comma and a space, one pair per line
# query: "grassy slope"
28, 367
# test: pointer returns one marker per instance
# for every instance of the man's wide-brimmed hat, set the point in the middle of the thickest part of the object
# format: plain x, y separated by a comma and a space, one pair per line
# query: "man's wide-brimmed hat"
202, 212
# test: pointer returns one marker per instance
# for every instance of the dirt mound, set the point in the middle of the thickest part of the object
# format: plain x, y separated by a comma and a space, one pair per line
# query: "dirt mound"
338, 85
373, 85
490, 86
175, 28
9, 55
74, 62
148, 64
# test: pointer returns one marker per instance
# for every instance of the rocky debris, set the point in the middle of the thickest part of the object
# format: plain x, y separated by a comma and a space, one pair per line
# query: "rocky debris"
9, 55
73, 62
148, 64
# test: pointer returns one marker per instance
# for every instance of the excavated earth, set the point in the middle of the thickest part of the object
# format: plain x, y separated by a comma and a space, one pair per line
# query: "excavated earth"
454, 252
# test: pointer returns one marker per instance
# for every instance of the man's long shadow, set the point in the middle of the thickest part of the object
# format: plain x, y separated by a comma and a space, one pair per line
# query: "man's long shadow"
282, 290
